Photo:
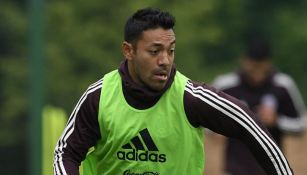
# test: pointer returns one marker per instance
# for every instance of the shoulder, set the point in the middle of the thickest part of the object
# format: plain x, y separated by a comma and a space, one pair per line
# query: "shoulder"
106, 78
226, 81
92, 94
95, 86
93, 91
198, 89
197, 100
283, 80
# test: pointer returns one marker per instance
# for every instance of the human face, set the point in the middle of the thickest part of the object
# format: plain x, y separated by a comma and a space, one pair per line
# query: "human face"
150, 60
256, 71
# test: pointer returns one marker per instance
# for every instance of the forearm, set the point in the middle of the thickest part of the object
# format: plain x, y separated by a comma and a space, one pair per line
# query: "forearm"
65, 166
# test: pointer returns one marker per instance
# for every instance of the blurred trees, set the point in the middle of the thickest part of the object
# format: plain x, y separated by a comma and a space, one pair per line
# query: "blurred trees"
13, 70
83, 42
13, 88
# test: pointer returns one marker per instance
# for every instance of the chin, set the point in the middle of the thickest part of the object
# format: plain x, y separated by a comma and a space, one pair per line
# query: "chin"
157, 87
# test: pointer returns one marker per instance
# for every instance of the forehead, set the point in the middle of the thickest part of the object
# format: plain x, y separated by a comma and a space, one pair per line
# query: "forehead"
158, 36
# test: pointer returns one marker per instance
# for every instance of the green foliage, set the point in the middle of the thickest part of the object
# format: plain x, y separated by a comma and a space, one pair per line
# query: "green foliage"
83, 42
13, 73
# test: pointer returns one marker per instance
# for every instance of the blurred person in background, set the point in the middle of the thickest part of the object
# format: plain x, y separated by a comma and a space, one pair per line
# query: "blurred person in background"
148, 118
270, 94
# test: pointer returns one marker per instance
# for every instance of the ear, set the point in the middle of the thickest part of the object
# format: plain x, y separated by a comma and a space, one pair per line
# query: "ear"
127, 50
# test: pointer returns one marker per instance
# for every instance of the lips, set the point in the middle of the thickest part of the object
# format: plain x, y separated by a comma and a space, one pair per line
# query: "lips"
161, 75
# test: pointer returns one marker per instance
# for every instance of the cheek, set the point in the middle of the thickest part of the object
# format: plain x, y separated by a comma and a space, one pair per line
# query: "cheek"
142, 68
172, 59
146, 63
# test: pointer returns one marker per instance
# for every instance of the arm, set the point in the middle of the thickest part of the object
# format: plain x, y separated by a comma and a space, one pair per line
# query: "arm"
81, 133
291, 107
226, 115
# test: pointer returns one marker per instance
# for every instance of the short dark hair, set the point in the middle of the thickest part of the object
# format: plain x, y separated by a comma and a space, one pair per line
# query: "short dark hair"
258, 49
144, 19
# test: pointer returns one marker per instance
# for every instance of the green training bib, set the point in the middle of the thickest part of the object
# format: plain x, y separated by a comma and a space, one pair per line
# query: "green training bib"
155, 141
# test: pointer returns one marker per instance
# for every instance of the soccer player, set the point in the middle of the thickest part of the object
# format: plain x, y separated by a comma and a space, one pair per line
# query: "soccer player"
147, 118
270, 94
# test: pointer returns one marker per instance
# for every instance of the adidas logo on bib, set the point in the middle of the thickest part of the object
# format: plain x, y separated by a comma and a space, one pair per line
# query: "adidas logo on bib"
141, 148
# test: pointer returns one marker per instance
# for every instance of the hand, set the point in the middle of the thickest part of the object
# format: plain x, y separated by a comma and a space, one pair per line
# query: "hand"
267, 115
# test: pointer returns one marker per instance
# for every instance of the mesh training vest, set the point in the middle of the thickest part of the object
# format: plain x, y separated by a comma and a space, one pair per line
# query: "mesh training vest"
155, 141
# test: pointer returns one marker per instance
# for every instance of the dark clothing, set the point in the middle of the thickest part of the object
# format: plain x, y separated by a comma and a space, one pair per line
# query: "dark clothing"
278, 91
204, 107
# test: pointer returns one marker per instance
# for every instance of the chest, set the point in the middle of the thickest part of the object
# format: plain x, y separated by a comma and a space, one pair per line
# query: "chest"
270, 96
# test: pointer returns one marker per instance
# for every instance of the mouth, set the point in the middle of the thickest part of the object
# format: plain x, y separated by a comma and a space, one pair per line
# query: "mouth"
161, 75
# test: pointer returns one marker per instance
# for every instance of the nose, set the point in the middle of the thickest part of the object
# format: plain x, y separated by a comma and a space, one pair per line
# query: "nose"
164, 59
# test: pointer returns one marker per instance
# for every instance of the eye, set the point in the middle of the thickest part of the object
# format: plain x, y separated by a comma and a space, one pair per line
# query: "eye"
172, 50
153, 52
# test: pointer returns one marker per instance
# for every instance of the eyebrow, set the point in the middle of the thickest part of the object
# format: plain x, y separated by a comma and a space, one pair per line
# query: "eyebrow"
159, 44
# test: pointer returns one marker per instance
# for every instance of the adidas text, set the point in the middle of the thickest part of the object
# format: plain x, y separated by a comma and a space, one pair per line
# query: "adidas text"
141, 156
128, 172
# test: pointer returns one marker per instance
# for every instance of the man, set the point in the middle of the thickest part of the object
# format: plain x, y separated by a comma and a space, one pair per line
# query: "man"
271, 95
147, 118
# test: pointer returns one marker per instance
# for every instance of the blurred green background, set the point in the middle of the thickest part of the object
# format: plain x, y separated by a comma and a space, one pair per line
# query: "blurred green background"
81, 41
